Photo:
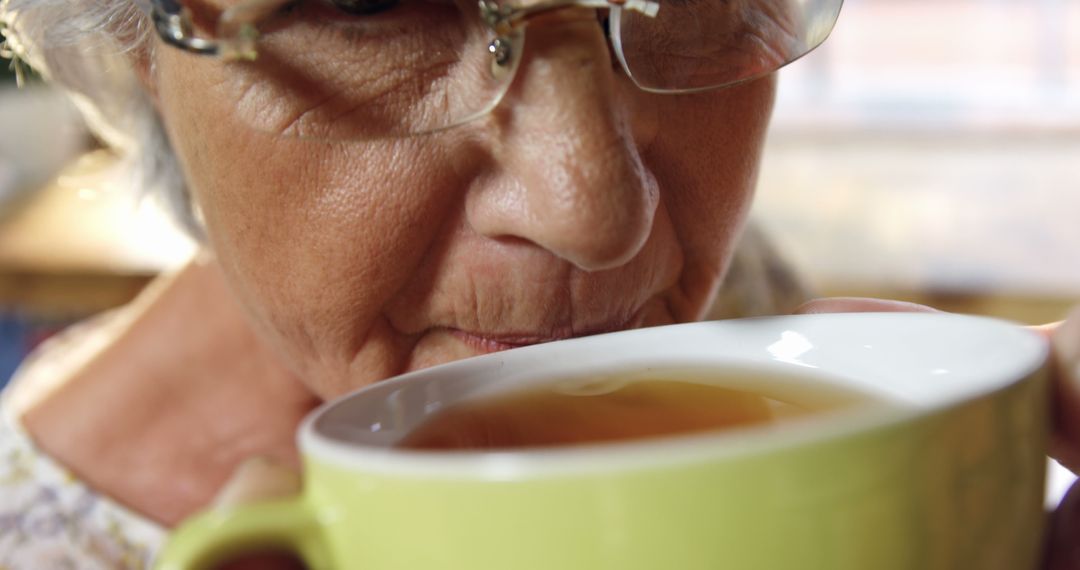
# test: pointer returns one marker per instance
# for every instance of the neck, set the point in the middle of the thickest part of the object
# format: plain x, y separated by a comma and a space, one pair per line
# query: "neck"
160, 416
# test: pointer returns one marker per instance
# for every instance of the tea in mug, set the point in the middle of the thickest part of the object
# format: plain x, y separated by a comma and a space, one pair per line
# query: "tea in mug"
574, 413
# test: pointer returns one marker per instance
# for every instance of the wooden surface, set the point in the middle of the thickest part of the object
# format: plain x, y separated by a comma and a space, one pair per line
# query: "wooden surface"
85, 242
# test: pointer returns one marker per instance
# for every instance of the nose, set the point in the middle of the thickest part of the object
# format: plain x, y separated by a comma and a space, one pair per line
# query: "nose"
568, 174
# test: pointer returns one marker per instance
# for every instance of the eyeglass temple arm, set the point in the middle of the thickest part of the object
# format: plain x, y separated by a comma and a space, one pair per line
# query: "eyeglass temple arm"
236, 27
237, 32
505, 19
173, 24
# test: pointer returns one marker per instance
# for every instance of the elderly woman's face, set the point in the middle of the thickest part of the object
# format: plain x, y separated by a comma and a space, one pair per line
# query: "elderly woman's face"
580, 205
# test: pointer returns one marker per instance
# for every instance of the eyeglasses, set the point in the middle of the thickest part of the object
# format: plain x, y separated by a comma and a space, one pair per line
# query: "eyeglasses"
369, 69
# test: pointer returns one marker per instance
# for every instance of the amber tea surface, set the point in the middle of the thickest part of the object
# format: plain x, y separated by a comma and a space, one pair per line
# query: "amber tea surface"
606, 411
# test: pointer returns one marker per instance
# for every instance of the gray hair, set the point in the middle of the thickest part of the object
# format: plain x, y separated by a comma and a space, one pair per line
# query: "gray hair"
87, 47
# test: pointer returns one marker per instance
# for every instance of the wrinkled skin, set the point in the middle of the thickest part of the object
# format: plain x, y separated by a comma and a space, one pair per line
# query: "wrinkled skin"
580, 205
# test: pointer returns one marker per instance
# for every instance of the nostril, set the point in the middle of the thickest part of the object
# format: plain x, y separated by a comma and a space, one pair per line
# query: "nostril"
599, 239
593, 226
610, 256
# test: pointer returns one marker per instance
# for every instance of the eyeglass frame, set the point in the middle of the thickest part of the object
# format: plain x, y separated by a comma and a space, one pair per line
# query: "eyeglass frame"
173, 23
237, 35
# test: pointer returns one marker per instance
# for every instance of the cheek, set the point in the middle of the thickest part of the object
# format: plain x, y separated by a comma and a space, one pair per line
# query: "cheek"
708, 151
314, 236
705, 156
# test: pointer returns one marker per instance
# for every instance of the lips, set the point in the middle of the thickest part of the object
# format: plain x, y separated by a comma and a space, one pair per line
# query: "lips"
495, 342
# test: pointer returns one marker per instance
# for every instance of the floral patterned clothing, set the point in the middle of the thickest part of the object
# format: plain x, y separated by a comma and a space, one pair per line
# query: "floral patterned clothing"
49, 519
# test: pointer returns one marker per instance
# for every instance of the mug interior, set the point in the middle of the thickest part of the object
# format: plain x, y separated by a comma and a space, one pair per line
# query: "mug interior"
895, 364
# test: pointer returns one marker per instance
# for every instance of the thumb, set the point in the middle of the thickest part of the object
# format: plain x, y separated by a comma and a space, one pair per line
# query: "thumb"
259, 479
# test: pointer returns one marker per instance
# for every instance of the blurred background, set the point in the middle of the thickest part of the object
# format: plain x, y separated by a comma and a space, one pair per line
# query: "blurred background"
75, 237
930, 151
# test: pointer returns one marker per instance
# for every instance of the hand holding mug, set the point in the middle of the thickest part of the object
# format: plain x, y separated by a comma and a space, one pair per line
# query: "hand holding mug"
953, 417
1063, 538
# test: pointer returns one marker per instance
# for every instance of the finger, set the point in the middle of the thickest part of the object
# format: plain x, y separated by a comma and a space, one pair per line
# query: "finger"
259, 479
860, 305
1063, 542
1065, 446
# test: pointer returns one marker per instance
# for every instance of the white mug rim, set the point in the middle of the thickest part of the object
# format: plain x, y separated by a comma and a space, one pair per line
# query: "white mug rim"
1029, 353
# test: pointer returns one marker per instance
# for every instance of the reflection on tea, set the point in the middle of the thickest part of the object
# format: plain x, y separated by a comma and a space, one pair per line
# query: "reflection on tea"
573, 413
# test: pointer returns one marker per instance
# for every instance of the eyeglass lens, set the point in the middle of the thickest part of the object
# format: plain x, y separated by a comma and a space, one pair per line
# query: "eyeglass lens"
348, 69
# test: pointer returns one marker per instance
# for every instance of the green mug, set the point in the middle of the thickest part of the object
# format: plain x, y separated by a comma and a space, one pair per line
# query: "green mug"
942, 468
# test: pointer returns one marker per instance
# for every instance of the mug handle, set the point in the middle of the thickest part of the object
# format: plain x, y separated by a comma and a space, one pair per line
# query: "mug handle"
220, 534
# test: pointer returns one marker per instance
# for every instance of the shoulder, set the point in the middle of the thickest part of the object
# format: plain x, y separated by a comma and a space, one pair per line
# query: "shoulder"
48, 517
55, 360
